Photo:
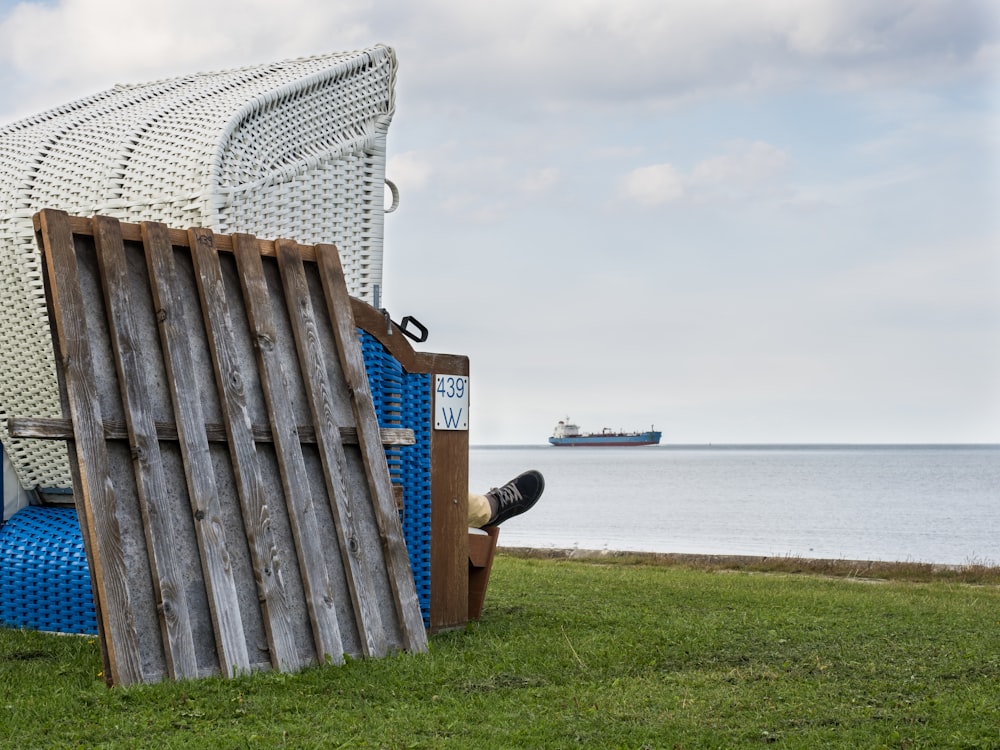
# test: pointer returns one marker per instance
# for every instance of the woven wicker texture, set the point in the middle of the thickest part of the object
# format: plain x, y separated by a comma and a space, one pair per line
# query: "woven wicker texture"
293, 149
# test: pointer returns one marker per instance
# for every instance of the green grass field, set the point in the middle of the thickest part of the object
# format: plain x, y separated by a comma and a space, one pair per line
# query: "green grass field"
601, 654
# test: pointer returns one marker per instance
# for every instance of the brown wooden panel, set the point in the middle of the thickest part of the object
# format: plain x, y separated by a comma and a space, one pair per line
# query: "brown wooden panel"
204, 498
171, 599
319, 591
319, 391
55, 428
268, 561
449, 528
274, 548
482, 548
96, 499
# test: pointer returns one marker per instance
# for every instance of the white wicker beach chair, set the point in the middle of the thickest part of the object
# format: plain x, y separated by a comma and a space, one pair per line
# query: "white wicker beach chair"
294, 149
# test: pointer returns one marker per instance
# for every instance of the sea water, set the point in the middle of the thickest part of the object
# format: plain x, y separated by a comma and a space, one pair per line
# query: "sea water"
938, 504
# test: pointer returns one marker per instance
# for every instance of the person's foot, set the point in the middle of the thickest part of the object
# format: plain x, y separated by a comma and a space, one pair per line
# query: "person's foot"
515, 497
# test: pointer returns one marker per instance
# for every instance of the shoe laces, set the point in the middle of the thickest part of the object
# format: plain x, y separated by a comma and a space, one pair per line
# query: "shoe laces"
506, 495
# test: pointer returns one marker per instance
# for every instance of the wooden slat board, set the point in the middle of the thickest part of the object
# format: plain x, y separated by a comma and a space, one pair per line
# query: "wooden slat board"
248, 520
49, 428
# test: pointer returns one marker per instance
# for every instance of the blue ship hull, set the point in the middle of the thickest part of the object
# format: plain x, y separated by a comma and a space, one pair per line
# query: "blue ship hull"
651, 437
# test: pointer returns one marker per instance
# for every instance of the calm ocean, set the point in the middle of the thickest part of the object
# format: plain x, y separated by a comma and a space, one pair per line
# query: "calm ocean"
936, 504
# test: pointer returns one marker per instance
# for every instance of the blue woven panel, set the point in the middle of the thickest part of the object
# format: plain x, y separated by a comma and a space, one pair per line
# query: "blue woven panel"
416, 478
403, 399
44, 581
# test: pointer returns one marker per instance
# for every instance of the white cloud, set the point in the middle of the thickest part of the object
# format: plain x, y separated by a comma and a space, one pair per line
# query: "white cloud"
61, 51
101, 36
556, 53
741, 170
654, 185
548, 54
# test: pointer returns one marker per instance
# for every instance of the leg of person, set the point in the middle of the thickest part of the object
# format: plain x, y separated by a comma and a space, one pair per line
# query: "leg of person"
479, 511
501, 503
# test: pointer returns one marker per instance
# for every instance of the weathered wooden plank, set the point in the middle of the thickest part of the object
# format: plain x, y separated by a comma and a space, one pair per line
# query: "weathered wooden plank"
98, 501
55, 428
319, 589
179, 238
267, 559
76, 499
216, 559
318, 392
380, 485
450, 531
171, 601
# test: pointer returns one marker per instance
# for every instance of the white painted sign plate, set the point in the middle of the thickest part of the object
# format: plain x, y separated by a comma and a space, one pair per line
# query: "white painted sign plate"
451, 402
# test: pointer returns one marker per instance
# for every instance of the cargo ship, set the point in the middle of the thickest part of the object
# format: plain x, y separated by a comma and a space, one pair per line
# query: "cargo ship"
568, 434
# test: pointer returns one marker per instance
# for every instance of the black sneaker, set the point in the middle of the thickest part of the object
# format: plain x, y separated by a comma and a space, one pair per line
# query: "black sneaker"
515, 497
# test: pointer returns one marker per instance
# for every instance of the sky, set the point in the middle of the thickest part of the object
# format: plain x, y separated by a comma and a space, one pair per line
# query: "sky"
740, 222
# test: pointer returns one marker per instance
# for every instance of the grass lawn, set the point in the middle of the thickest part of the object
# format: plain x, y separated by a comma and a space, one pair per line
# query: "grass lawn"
580, 654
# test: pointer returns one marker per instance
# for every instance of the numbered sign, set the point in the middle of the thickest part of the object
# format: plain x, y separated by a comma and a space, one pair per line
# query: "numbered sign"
451, 402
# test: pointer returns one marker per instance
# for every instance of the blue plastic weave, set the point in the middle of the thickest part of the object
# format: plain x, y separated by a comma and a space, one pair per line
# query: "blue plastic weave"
403, 399
44, 580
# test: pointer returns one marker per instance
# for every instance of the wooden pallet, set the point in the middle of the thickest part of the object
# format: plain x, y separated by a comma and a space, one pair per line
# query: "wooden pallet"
272, 549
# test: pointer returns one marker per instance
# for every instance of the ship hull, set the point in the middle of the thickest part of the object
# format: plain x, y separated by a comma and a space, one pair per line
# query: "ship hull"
607, 441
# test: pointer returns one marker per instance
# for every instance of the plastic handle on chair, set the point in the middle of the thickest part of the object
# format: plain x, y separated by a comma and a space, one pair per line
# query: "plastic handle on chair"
395, 196
403, 326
